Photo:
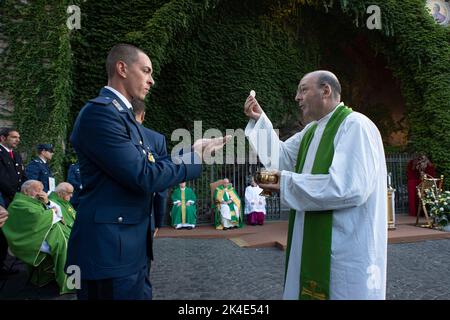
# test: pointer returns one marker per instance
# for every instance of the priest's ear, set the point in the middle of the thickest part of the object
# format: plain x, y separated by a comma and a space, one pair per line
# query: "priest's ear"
326, 90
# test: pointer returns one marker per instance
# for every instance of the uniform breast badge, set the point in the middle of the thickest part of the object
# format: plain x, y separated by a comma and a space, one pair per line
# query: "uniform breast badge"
150, 157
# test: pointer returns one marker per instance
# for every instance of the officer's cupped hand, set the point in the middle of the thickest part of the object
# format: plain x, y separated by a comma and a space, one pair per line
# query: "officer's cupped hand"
209, 146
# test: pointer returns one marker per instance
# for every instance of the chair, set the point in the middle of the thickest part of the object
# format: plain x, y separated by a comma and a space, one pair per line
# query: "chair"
433, 184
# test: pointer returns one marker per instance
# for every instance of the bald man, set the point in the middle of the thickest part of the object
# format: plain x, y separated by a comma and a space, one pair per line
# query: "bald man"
61, 197
333, 176
37, 235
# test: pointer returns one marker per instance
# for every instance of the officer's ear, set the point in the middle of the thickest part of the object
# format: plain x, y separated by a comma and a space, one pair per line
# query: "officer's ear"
121, 69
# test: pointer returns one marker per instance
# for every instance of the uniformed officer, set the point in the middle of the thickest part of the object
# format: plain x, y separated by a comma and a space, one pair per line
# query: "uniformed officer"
38, 168
74, 178
108, 242
11, 178
157, 147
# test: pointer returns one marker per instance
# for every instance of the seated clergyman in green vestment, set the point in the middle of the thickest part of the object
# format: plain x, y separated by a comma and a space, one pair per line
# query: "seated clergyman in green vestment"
61, 197
184, 211
228, 211
38, 235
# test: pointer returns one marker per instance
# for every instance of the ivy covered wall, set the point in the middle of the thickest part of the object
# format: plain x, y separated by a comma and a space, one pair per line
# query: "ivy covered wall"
207, 55
37, 74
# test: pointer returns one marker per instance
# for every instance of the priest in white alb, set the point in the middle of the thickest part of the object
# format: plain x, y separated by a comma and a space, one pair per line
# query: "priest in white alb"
332, 174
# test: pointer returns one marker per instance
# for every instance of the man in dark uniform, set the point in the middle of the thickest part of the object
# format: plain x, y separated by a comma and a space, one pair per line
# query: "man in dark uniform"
11, 178
38, 169
108, 242
159, 148
74, 178
157, 143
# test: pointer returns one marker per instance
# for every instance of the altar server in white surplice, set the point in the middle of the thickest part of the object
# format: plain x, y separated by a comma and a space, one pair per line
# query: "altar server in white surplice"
333, 175
255, 204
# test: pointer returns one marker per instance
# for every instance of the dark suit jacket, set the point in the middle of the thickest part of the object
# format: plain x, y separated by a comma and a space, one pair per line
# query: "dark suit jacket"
11, 174
109, 236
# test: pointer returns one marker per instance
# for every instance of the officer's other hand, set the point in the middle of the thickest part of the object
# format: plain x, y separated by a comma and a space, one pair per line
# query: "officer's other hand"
3, 216
252, 109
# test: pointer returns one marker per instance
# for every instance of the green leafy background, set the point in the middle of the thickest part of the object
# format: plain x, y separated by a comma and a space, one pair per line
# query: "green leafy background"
208, 54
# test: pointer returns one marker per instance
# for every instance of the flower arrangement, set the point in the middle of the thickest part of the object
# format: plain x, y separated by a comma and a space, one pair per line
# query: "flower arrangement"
438, 205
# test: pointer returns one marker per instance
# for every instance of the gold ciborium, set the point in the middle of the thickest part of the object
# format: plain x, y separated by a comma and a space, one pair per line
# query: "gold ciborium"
265, 176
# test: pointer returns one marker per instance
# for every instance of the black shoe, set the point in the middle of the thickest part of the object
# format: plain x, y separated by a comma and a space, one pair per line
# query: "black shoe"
189, 228
4, 272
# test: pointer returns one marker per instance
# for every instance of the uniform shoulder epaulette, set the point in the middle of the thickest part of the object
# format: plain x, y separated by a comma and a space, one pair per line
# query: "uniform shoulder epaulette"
102, 100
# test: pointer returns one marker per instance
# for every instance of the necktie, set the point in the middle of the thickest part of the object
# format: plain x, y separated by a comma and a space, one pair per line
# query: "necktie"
11, 154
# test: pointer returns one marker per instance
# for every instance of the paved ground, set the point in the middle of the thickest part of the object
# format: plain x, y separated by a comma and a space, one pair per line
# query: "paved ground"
219, 269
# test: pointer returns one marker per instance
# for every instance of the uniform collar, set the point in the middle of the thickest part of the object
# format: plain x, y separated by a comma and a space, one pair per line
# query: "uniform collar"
5, 147
120, 96
43, 160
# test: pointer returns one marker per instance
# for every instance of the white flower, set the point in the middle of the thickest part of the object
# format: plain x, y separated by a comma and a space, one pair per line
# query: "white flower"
441, 209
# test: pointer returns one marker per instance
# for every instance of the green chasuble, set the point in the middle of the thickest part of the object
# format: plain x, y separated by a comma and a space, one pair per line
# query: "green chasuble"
68, 211
219, 196
317, 230
28, 225
183, 214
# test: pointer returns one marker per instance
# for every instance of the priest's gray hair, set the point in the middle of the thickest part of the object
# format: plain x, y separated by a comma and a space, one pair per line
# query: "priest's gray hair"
63, 187
29, 185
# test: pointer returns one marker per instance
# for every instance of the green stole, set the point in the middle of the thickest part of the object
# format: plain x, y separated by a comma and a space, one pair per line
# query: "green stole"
316, 249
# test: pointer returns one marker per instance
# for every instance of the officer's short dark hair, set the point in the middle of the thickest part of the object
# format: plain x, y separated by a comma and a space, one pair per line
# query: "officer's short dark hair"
138, 106
4, 132
325, 78
121, 52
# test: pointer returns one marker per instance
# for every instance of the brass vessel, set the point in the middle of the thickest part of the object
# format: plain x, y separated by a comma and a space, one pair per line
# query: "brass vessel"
266, 177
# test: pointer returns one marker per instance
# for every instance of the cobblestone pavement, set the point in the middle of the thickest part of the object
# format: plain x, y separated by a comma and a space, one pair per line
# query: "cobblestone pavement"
215, 269
219, 269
